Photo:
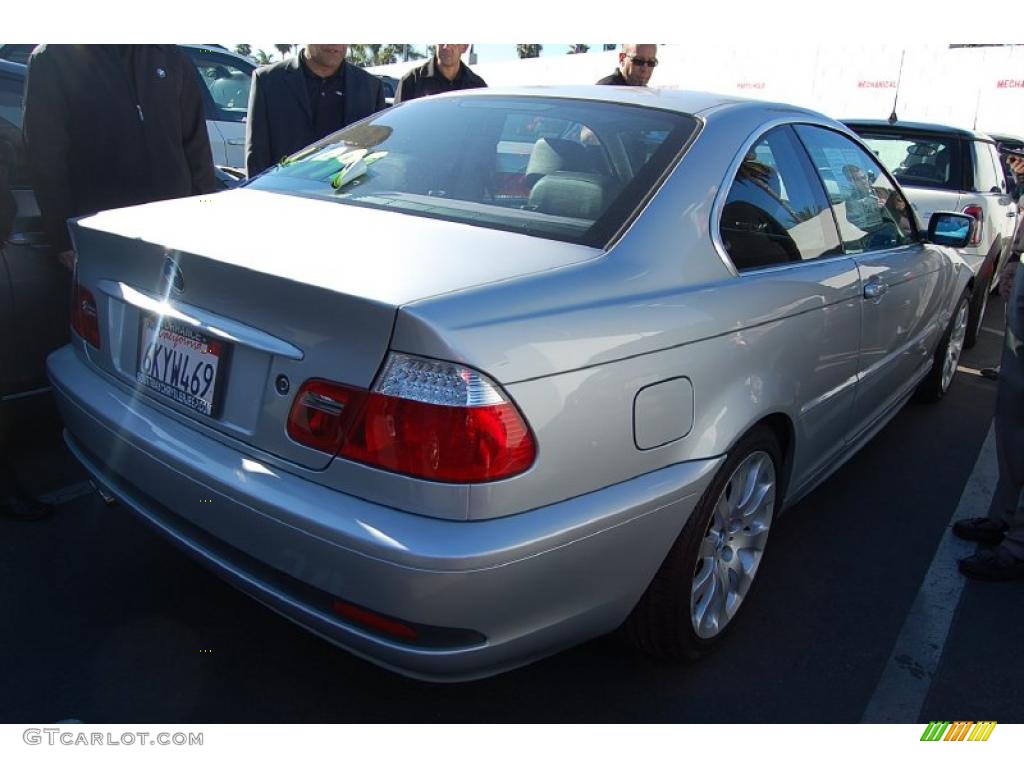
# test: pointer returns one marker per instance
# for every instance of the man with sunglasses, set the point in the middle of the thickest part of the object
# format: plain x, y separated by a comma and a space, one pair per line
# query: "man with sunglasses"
636, 65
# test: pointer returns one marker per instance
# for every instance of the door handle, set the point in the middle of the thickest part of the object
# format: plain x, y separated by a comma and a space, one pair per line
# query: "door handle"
236, 142
875, 289
1010, 214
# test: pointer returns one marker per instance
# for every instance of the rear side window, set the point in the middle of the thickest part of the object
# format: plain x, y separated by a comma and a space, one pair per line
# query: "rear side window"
918, 160
987, 176
776, 211
872, 214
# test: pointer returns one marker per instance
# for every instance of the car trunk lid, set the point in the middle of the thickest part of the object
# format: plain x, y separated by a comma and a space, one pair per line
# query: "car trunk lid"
252, 293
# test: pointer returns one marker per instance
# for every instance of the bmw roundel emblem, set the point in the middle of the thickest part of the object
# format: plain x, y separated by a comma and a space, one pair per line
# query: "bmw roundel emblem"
171, 277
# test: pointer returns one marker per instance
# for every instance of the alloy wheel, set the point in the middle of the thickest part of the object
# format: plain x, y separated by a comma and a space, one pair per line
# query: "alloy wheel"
955, 345
733, 545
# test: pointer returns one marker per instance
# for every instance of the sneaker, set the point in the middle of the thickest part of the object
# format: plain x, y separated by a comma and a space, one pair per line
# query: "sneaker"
995, 564
984, 530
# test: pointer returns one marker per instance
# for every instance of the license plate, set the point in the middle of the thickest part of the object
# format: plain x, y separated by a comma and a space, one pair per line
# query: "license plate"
181, 363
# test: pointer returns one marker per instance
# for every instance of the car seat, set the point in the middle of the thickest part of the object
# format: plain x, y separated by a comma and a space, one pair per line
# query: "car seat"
571, 194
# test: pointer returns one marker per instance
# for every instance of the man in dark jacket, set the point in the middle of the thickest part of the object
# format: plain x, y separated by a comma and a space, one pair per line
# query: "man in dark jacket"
445, 72
108, 126
302, 99
636, 65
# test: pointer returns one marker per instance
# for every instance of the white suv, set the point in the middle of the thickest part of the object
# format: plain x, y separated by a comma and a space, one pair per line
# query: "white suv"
951, 169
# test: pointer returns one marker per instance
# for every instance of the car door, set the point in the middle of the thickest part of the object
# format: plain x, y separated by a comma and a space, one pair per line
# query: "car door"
778, 231
36, 288
226, 82
902, 279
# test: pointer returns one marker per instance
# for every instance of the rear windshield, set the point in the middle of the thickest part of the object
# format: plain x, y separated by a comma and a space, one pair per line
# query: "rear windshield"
563, 169
919, 161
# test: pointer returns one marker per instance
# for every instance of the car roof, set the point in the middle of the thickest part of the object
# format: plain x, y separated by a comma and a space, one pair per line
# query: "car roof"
687, 102
12, 68
884, 126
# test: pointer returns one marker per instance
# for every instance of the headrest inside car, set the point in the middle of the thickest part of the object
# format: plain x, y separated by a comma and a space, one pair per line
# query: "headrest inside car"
551, 154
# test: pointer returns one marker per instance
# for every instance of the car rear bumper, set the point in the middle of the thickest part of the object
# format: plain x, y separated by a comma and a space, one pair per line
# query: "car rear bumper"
517, 588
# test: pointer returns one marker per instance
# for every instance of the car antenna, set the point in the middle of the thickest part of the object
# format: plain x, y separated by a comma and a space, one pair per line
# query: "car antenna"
899, 78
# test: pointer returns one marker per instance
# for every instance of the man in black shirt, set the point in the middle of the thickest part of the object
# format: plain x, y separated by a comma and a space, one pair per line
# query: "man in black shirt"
445, 72
112, 125
303, 99
636, 65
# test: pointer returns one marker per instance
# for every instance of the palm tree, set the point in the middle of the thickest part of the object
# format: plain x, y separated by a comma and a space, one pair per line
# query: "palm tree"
528, 50
358, 55
261, 57
578, 48
243, 49
284, 49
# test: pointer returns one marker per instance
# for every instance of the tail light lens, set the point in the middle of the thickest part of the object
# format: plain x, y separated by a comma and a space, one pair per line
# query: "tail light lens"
978, 213
84, 317
424, 418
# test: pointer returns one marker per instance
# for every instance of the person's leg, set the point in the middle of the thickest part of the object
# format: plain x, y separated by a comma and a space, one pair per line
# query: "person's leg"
991, 528
1006, 561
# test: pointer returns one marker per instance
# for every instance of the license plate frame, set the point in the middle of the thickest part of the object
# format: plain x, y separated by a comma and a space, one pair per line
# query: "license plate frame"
157, 335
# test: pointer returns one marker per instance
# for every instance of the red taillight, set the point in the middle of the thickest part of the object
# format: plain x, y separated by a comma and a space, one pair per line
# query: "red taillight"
84, 317
978, 214
481, 439
451, 444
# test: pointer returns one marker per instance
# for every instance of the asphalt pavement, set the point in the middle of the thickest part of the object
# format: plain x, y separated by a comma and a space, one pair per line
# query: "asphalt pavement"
103, 621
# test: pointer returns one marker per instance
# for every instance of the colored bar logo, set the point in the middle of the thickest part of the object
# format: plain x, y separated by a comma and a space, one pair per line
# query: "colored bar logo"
961, 730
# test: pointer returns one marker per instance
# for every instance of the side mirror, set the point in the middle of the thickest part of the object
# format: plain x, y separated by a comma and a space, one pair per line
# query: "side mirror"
953, 229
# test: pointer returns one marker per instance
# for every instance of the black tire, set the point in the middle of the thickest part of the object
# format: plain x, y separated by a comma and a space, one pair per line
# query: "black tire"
661, 624
931, 388
979, 300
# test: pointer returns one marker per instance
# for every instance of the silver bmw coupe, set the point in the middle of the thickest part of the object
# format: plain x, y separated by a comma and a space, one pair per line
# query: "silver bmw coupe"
492, 373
